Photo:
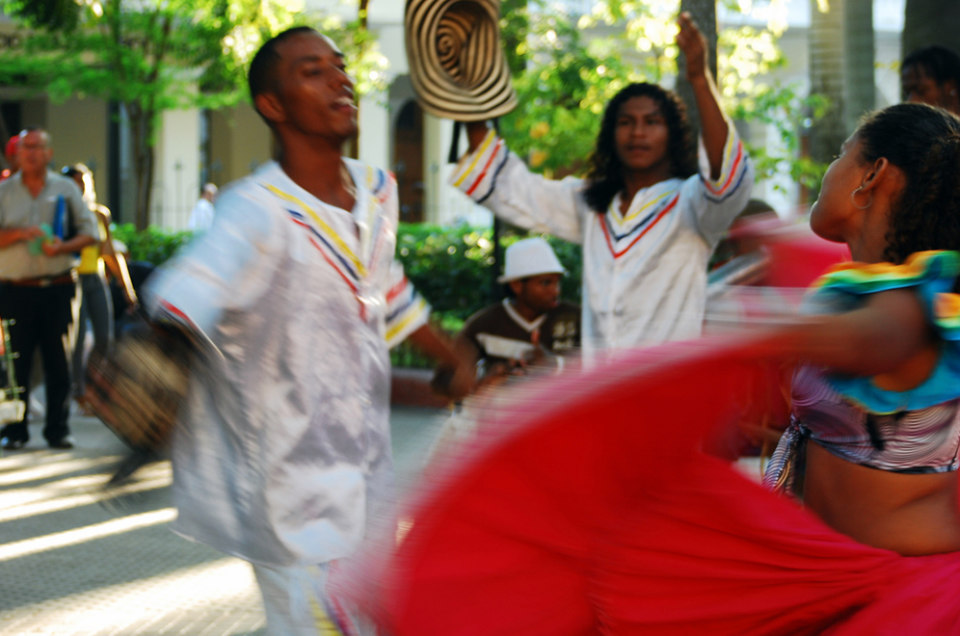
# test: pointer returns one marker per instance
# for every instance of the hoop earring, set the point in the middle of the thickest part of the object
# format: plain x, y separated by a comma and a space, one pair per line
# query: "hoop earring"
853, 198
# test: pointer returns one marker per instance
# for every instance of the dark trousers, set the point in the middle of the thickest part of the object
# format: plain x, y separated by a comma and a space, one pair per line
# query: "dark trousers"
44, 317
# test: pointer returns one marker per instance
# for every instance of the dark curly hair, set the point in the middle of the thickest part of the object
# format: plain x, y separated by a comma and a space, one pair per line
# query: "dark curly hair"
924, 143
605, 175
937, 62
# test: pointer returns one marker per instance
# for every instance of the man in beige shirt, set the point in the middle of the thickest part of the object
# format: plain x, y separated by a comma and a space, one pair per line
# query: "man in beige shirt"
38, 281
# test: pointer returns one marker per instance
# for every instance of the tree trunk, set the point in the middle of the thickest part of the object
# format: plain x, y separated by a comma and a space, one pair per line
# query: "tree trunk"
929, 22
845, 33
141, 129
858, 60
704, 14
827, 77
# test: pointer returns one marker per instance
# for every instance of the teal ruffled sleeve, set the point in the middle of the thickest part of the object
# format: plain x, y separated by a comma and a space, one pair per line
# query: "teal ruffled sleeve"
933, 275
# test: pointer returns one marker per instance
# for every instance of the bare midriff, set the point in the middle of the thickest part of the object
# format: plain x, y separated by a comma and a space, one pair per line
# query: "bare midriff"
912, 514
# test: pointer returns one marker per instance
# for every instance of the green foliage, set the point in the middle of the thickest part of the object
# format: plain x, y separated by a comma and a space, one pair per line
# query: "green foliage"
789, 114
566, 69
174, 54
152, 244
59, 14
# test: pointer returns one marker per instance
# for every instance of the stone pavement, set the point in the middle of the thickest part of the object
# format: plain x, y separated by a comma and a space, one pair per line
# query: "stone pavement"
76, 559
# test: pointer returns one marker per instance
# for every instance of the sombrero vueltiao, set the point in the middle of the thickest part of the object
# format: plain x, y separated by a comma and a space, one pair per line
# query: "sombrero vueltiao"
456, 64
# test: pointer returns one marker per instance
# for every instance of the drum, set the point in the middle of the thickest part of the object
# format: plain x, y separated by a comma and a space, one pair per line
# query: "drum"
137, 388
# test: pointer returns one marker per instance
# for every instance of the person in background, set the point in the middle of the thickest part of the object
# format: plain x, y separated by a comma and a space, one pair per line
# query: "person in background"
38, 280
96, 303
530, 327
201, 217
931, 75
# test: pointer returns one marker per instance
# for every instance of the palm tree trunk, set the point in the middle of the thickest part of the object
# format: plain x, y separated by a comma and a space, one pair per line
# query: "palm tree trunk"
826, 77
859, 57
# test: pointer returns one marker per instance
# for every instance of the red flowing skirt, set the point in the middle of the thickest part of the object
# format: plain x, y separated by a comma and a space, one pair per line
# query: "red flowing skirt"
600, 512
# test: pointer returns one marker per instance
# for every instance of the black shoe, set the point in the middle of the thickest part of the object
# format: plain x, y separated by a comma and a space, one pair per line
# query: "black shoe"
8, 443
64, 443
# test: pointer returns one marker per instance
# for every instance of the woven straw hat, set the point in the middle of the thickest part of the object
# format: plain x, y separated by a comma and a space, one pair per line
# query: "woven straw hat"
456, 63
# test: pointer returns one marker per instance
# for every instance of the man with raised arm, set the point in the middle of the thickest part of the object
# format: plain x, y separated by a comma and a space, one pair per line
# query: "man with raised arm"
648, 213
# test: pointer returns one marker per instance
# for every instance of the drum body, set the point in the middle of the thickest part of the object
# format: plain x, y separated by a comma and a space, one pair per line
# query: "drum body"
137, 387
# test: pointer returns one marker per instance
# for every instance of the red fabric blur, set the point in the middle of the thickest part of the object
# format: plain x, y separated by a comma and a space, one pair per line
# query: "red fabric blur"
797, 256
798, 259
599, 512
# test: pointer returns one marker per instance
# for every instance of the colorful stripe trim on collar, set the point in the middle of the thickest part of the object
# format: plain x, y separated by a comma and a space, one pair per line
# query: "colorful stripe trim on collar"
320, 229
646, 224
623, 220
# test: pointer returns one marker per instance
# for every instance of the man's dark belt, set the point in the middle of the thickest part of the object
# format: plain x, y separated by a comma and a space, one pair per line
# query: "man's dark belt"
66, 278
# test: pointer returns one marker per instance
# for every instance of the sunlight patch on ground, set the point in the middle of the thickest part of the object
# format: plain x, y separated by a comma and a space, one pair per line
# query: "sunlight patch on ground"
18, 549
26, 467
57, 502
217, 597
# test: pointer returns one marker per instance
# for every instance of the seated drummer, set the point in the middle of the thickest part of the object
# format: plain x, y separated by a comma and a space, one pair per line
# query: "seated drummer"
532, 326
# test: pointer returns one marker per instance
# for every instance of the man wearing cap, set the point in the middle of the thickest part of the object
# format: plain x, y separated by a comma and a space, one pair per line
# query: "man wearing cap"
648, 212
38, 281
201, 217
532, 325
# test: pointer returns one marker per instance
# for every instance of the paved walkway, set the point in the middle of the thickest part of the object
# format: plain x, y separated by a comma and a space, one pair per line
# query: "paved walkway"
76, 559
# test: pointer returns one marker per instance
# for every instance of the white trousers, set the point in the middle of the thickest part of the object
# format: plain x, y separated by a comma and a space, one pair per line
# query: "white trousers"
297, 602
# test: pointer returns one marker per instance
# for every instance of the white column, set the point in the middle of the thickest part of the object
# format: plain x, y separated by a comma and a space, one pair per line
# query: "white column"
176, 169
375, 141
436, 143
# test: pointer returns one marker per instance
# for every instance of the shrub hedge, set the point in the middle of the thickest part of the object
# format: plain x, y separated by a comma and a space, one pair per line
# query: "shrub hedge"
453, 267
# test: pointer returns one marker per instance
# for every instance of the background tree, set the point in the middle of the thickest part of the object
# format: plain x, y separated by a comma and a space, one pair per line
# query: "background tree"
155, 56
840, 30
826, 75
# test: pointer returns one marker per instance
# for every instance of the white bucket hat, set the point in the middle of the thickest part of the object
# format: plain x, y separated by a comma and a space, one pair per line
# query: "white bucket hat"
529, 257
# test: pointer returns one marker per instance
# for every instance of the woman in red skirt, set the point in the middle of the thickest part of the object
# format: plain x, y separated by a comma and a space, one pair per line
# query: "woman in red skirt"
607, 509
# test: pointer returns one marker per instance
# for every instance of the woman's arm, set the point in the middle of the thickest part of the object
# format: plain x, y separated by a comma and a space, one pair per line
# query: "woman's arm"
889, 337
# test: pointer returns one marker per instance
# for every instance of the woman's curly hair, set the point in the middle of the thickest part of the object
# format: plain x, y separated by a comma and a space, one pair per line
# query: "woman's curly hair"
924, 143
605, 174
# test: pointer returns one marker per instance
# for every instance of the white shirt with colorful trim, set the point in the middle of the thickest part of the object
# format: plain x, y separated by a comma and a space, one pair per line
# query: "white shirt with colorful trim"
644, 272
283, 452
